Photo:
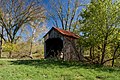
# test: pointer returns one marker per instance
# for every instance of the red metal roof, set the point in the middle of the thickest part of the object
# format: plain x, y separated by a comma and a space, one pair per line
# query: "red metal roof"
64, 32
67, 33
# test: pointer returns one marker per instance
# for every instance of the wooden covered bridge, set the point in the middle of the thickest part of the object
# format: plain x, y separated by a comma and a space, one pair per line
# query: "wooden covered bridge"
57, 43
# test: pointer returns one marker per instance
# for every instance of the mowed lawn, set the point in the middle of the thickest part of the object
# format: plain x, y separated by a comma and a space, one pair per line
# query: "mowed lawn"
54, 70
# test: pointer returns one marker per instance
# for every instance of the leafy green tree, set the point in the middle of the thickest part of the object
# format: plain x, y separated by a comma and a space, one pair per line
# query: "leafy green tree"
100, 24
10, 47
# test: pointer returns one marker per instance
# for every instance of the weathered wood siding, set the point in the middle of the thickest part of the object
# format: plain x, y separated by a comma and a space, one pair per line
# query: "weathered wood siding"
53, 34
68, 50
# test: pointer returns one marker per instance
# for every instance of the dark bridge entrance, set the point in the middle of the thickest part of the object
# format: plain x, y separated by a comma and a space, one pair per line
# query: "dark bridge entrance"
53, 47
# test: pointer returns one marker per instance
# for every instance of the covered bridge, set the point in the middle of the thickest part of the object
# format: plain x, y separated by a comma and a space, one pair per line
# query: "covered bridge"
57, 43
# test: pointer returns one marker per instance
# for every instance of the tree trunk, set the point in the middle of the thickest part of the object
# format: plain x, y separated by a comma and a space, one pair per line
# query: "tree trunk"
1, 44
103, 54
90, 52
93, 54
31, 44
10, 54
91, 57
104, 50
80, 53
1, 48
114, 55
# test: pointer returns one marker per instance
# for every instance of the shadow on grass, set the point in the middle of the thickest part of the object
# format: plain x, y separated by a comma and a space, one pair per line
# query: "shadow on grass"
63, 64
45, 63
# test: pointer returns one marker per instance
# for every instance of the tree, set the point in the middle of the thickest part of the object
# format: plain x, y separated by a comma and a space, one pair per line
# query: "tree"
100, 24
1, 42
36, 30
17, 13
1, 36
64, 13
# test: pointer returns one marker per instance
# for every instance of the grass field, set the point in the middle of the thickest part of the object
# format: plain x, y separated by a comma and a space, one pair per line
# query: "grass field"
54, 70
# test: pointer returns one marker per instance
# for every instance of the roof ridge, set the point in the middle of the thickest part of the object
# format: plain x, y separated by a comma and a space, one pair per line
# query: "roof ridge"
67, 33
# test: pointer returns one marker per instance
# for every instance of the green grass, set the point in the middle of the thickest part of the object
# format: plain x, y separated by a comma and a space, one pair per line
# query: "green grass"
54, 70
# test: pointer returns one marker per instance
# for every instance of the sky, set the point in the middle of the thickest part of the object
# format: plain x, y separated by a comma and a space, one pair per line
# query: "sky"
47, 6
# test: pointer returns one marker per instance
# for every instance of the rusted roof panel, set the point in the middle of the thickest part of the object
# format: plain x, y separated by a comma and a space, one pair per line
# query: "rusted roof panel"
66, 33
